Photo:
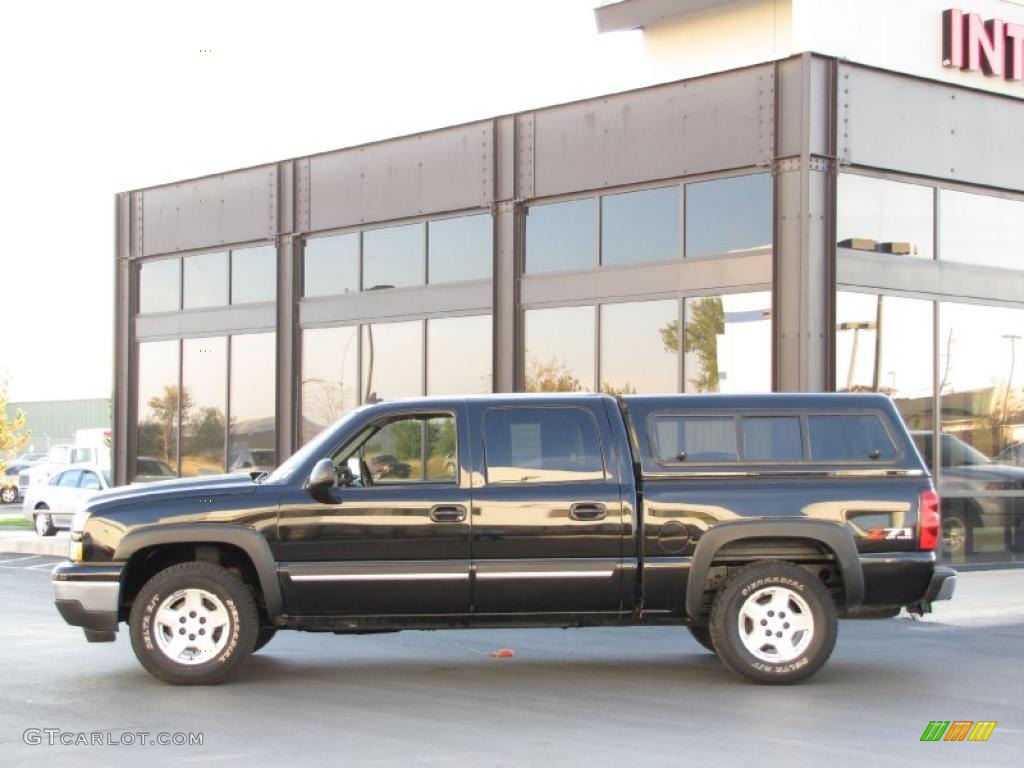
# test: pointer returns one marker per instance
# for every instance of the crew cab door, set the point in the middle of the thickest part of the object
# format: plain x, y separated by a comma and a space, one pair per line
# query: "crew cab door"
397, 540
547, 511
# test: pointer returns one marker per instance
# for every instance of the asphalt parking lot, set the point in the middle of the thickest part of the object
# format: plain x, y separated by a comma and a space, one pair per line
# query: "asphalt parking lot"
642, 696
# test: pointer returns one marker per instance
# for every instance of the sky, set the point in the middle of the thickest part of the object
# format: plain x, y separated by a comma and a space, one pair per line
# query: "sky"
103, 97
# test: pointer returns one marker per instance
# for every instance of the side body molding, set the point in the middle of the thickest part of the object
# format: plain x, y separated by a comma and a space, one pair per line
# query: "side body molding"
835, 537
248, 540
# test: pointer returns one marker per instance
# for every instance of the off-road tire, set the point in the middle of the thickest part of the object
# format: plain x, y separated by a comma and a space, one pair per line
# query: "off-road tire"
233, 593
748, 582
702, 635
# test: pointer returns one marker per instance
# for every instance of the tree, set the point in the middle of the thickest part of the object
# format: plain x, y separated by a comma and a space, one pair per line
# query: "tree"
13, 433
552, 376
164, 411
207, 432
705, 323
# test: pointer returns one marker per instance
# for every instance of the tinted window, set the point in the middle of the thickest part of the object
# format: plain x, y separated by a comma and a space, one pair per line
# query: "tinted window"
89, 481
772, 438
160, 286
70, 479
204, 375
639, 347
641, 226
392, 360
393, 257
206, 280
727, 343
695, 438
849, 438
559, 349
331, 265
728, 215
330, 376
460, 249
459, 355
884, 216
561, 236
254, 275
979, 229
536, 445
412, 450
251, 432
157, 404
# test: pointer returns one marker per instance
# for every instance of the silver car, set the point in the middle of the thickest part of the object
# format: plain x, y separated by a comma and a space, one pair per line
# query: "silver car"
52, 505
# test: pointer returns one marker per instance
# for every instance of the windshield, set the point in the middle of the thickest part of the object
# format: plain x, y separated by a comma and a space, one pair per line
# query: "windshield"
318, 446
957, 453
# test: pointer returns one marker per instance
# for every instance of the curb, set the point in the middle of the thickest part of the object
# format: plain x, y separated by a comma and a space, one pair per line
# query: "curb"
31, 544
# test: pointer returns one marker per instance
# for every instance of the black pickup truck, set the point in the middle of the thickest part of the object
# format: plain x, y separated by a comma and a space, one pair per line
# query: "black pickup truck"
756, 521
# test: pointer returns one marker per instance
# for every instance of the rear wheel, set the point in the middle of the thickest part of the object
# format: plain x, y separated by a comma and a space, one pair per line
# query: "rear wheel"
193, 624
773, 623
44, 523
703, 636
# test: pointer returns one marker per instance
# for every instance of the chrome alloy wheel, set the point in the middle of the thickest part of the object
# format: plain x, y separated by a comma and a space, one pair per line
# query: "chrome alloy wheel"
42, 522
776, 625
191, 626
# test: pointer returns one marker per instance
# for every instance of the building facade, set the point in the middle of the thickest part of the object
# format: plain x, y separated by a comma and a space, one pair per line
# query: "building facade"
805, 223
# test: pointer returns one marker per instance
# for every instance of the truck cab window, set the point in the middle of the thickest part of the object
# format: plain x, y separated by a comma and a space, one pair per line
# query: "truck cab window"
414, 449
538, 445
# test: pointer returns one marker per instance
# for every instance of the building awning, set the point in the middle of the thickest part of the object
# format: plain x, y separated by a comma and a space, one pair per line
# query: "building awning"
636, 14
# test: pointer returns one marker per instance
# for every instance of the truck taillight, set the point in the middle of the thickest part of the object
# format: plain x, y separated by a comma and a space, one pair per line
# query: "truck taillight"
928, 522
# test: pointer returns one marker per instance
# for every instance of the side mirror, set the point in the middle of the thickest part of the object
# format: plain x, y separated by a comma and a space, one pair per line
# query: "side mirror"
322, 477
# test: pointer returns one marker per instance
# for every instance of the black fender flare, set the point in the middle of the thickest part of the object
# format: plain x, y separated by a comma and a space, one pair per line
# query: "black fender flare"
837, 538
248, 540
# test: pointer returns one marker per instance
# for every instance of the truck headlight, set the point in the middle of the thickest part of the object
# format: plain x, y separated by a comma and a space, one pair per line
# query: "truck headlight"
75, 548
78, 521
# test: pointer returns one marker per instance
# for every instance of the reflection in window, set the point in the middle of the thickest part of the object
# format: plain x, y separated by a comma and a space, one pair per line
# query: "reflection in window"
331, 265
897, 361
392, 360
884, 216
537, 445
160, 286
416, 450
727, 343
461, 249
639, 347
204, 388
254, 275
393, 257
559, 349
695, 438
206, 280
641, 226
983, 230
157, 406
849, 438
330, 376
561, 236
772, 438
251, 434
729, 215
459, 355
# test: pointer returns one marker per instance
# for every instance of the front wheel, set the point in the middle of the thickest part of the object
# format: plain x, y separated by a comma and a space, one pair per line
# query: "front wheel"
193, 624
773, 623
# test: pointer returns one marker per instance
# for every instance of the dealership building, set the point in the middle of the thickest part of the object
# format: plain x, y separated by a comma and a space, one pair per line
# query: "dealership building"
808, 197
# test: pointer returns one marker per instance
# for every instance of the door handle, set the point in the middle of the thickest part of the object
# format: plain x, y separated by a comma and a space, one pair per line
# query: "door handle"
584, 511
448, 513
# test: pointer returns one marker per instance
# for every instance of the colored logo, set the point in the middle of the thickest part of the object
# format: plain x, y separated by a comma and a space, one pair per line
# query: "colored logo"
958, 730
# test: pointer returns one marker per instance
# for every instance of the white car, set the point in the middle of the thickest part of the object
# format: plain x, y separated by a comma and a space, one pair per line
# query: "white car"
51, 505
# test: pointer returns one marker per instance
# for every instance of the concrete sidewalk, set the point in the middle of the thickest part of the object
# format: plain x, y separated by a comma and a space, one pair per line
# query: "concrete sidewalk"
981, 597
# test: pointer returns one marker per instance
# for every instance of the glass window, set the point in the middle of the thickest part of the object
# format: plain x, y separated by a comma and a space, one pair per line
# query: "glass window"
393, 257
538, 445
70, 479
461, 248
884, 216
730, 215
727, 343
559, 349
254, 275
330, 376
206, 280
331, 265
204, 389
641, 226
639, 347
980, 229
160, 286
897, 361
412, 450
157, 407
695, 438
251, 434
772, 438
459, 355
849, 438
392, 360
561, 236
89, 481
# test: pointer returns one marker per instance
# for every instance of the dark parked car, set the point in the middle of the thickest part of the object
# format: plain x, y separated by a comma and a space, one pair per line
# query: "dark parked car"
386, 465
9, 490
756, 521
